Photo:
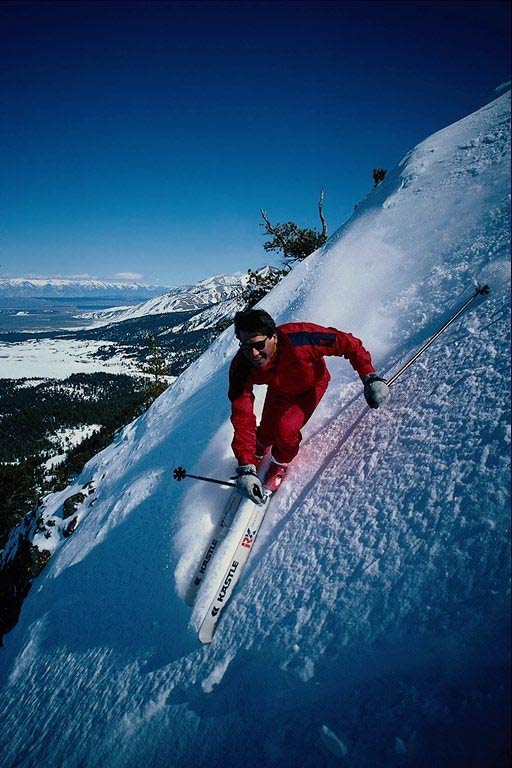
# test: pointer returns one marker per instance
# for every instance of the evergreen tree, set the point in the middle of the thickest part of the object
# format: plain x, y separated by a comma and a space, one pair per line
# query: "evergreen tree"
379, 174
294, 242
157, 368
260, 283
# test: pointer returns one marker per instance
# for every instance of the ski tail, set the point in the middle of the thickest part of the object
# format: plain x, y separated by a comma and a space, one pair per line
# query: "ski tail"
219, 533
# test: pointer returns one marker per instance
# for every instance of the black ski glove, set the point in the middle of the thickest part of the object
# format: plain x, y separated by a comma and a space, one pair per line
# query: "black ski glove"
249, 484
375, 390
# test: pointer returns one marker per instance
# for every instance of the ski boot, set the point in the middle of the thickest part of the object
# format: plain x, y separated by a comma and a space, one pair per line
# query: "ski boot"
275, 476
261, 452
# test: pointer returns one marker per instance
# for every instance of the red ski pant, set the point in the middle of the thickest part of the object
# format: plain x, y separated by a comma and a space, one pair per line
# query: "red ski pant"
282, 419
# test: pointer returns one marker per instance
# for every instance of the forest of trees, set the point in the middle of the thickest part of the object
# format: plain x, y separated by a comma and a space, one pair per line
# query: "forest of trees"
32, 415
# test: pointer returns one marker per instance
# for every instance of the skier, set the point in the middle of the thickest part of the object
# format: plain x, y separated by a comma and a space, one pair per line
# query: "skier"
290, 360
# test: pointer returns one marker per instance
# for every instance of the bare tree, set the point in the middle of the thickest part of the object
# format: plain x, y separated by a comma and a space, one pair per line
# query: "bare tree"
321, 214
270, 230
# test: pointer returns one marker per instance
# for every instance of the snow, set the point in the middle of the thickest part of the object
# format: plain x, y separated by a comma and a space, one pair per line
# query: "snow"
67, 287
184, 298
217, 673
215, 299
59, 358
371, 624
29, 383
54, 461
332, 743
68, 437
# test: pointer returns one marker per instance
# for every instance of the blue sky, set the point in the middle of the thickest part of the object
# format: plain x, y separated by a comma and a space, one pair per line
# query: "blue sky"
143, 138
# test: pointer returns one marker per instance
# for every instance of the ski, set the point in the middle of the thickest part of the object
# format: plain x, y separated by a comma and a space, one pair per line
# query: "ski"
219, 533
233, 572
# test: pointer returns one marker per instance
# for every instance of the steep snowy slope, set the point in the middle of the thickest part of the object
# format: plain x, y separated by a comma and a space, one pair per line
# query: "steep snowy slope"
371, 627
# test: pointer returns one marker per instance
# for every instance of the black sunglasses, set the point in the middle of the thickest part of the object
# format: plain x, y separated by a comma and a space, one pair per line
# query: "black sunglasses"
258, 345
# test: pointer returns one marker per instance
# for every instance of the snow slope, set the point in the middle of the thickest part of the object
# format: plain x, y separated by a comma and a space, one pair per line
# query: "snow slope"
371, 627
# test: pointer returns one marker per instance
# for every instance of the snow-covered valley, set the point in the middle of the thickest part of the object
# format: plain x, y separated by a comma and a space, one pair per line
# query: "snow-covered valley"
371, 627
58, 358
114, 340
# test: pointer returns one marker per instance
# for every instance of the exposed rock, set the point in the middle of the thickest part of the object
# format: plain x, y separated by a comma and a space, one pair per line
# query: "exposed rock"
68, 530
38, 558
71, 504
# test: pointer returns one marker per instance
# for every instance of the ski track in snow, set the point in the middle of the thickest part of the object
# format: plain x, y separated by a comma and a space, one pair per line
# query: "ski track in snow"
371, 624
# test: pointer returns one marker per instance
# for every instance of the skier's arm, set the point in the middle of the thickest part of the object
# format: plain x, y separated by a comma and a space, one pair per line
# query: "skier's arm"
242, 413
352, 349
331, 341
375, 388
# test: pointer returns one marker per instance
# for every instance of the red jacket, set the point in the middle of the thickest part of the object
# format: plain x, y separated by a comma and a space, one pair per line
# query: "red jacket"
298, 367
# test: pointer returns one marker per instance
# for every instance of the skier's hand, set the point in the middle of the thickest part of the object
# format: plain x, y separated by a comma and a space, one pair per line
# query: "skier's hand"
375, 390
249, 484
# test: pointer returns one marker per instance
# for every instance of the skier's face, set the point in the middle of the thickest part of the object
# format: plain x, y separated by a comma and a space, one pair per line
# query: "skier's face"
258, 349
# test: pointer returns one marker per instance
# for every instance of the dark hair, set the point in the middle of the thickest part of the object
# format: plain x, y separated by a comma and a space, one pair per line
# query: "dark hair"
255, 321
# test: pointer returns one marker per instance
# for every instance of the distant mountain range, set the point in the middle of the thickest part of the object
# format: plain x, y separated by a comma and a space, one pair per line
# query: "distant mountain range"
184, 320
56, 287
185, 298
212, 301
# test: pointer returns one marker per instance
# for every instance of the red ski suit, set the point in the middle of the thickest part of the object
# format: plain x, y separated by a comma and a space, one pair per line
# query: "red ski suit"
297, 378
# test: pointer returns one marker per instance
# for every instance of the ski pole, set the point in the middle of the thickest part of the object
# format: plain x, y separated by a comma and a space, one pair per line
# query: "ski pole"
480, 291
180, 474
